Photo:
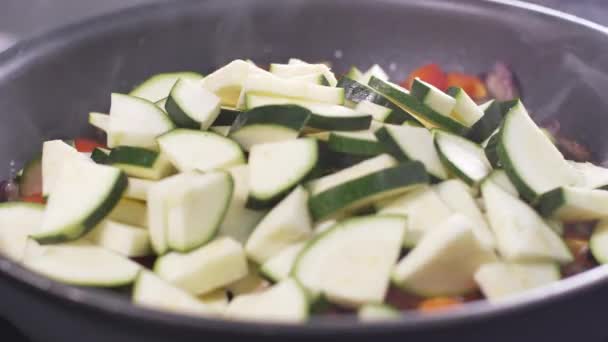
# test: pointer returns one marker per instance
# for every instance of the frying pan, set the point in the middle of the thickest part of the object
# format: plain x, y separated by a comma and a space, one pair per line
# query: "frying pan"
48, 84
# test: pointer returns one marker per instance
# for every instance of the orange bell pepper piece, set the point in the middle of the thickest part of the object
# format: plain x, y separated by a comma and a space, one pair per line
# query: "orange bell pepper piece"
430, 73
471, 84
86, 145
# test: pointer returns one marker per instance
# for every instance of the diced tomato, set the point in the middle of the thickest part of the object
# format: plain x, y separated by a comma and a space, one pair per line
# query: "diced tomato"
438, 304
430, 73
471, 84
86, 145
36, 198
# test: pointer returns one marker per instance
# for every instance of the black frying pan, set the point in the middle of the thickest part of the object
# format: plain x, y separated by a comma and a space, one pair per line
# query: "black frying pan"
49, 84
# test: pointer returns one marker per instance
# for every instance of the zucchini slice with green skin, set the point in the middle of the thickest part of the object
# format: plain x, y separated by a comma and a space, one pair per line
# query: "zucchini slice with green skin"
377, 312
593, 176
83, 265
429, 117
408, 142
205, 269
279, 266
444, 261
221, 130
375, 71
17, 221
462, 157
158, 86
500, 178
500, 279
240, 221
493, 114
571, 204
226, 117
284, 302
268, 124
484, 106
99, 120
189, 105
323, 116
433, 98
55, 154
532, 162
100, 155
286, 224
153, 292
359, 143
316, 78
76, 204
466, 110
351, 263
227, 81
138, 189
378, 113
276, 168
271, 85
292, 71
354, 73
424, 210
598, 243
367, 189
521, 234
491, 150
124, 239
140, 162
190, 150
30, 180
161, 103
135, 122
158, 218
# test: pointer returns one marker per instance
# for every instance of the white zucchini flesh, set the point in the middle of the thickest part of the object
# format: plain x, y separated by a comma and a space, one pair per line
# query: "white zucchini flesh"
444, 261
240, 221
376, 71
17, 221
436, 99
284, 302
424, 210
55, 154
158, 218
251, 283
124, 239
158, 86
279, 266
221, 130
77, 204
350, 264
295, 70
190, 150
592, 176
191, 105
153, 292
99, 120
83, 265
466, 110
275, 86
500, 178
598, 243
462, 157
227, 81
500, 279
136, 122
287, 223
378, 113
531, 160
255, 100
377, 312
520, 232
572, 204
457, 196
205, 269
134, 213
366, 167
138, 188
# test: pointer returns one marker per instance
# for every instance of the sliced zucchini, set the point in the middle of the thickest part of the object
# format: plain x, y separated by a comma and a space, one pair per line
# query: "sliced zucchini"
99, 120
189, 105
152, 292
239, 221
484, 106
279, 266
226, 117
158, 86
204, 151
284, 302
100, 155
323, 116
275, 86
77, 204
138, 189
500, 178
465, 110
136, 122
444, 261
359, 143
378, 113
217, 300
462, 157
408, 142
276, 168
134, 213
491, 150
532, 162
350, 264
424, 210
593, 177
55, 154
161, 103
459, 198
83, 265
598, 243
287, 223
521, 234
221, 130
377, 312
251, 283
30, 180
375, 71
291, 71
491, 120
205, 269
124, 239
354, 73
433, 98
268, 124
17, 221
227, 81
359, 192
428, 116
140, 162
158, 218
316, 78
500, 279
571, 204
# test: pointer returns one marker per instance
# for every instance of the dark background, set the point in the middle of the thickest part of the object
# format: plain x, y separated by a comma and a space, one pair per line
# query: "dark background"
22, 18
